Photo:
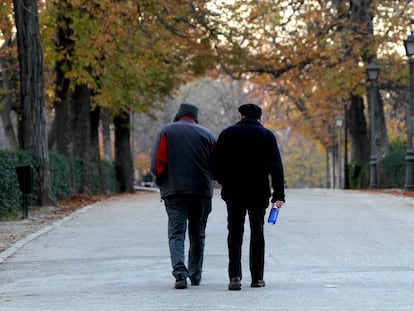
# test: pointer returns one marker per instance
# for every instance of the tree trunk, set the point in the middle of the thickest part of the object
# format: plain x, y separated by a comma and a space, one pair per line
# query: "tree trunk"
62, 127
32, 93
8, 105
81, 128
62, 93
381, 139
95, 154
123, 157
106, 134
358, 130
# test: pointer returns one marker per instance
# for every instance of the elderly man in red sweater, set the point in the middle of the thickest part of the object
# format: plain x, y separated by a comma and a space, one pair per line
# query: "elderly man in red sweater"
180, 161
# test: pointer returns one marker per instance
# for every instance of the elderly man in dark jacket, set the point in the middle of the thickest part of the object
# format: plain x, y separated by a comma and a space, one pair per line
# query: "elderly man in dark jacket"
180, 162
244, 157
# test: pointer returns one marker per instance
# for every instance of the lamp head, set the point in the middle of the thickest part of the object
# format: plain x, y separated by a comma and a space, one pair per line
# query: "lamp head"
372, 72
409, 44
339, 121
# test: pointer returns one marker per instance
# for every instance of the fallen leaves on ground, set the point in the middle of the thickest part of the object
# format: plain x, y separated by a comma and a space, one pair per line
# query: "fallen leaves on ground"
400, 192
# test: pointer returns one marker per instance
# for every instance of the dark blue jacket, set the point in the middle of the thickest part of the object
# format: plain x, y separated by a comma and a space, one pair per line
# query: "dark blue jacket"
245, 156
180, 159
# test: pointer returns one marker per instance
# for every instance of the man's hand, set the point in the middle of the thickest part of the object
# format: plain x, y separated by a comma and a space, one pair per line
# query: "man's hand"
278, 204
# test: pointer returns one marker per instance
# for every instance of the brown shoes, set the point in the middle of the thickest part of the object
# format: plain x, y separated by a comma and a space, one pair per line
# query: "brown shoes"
235, 283
180, 282
258, 283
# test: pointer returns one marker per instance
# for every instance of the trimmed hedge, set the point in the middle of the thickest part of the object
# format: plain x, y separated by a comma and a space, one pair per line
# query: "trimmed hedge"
358, 175
394, 168
10, 194
9, 187
109, 176
60, 175
65, 175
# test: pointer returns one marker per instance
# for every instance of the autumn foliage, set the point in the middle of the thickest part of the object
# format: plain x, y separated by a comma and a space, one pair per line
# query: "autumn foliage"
304, 60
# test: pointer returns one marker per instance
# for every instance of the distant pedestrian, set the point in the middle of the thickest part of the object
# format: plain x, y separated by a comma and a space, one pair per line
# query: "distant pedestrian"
245, 156
148, 178
180, 161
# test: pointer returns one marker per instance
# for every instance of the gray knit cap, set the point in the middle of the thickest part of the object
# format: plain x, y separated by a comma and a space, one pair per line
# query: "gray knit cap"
187, 109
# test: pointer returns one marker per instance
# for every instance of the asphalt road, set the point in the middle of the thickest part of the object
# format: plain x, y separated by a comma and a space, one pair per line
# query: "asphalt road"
329, 250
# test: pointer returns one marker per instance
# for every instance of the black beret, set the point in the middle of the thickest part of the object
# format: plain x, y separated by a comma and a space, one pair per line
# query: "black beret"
250, 111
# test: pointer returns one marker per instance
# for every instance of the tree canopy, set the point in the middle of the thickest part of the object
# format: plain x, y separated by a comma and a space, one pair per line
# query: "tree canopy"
304, 59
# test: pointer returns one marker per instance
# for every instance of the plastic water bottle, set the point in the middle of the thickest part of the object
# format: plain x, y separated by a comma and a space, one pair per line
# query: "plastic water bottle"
274, 211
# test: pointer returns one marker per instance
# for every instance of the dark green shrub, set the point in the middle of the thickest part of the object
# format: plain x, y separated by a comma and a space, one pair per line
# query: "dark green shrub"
392, 169
109, 176
77, 174
65, 175
66, 183
60, 176
398, 144
10, 195
393, 166
358, 175
94, 181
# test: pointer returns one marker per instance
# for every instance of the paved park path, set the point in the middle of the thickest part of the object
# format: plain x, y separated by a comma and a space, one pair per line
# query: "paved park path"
330, 250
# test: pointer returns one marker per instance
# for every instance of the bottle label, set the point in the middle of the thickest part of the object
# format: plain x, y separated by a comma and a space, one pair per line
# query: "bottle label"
273, 215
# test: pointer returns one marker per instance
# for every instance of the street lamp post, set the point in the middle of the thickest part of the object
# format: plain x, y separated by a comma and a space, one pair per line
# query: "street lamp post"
409, 159
339, 122
372, 72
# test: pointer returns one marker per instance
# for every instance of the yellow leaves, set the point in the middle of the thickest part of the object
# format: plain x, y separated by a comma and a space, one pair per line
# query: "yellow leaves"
6, 18
126, 51
304, 161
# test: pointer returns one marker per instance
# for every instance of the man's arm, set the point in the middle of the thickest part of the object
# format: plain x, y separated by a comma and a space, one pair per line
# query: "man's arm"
277, 174
159, 159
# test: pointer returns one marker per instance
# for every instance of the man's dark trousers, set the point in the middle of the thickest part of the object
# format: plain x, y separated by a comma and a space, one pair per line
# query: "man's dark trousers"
236, 212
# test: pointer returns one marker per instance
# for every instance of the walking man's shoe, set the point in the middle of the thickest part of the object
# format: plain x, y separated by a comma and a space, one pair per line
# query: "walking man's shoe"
235, 283
258, 283
180, 282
